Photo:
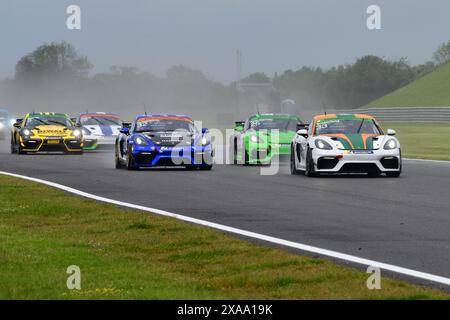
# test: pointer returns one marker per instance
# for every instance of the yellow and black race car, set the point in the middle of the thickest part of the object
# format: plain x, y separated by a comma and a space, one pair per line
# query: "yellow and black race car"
46, 132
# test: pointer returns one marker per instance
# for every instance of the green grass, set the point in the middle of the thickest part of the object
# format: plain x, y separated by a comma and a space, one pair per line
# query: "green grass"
430, 90
125, 254
423, 140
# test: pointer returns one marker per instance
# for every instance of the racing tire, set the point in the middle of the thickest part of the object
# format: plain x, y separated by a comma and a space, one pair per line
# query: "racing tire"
130, 165
294, 170
13, 148
309, 170
246, 158
117, 162
235, 152
19, 150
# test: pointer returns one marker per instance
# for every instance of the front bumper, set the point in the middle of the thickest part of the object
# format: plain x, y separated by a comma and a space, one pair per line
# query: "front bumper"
356, 161
263, 153
93, 142
53, 144
146, 156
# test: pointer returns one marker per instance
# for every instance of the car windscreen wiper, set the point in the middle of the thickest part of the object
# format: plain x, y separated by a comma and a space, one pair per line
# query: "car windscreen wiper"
57, 122
360, 126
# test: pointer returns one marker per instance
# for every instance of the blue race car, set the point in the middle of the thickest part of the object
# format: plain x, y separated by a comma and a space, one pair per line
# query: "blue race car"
163, 140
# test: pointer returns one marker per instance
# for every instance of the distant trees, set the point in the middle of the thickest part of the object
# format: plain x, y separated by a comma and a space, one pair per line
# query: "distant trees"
350, 85
54, 60
442, 54
56, 75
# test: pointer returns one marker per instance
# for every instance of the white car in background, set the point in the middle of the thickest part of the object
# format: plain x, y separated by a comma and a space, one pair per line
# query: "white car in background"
99, 129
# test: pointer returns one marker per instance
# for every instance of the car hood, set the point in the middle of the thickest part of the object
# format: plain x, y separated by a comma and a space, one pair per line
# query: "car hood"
283, 136
51, 130
170, 138
356, 141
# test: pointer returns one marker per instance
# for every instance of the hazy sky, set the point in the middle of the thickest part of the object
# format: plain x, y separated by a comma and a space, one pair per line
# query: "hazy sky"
274, 35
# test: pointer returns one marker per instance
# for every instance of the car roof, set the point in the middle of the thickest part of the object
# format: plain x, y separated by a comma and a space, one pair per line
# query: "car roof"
99, 114
273, 116
165, 115
47, 114
342, 116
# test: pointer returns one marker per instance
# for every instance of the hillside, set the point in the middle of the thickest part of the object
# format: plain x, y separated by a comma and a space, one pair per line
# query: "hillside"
431, 90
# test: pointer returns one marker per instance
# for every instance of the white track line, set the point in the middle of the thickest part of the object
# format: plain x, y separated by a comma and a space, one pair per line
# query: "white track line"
286, 243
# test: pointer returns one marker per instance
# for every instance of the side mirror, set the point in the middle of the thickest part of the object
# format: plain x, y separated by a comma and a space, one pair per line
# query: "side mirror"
391, 132
78, 125
74, 120
301, 126
303, 133
125, 131
239, 126
205, 130
18, 123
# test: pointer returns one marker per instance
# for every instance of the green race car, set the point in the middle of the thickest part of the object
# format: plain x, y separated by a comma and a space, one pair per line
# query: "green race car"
261, 137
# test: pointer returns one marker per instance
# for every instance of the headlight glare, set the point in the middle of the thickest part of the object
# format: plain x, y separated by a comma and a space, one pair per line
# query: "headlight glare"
204, 141
2, 125
322, 144
390, 144
140, 141
76, 133
27, 132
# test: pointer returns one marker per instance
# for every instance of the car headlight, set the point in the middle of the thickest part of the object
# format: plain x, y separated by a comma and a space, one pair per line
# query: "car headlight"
204, 141
322, 144
27, 133
140, 141
390, 144
76, 133
254, 138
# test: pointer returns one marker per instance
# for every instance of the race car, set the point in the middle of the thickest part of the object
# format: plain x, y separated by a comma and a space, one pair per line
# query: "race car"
163, 140
5, 123
261, 137
346, 143
100, 129
46, 132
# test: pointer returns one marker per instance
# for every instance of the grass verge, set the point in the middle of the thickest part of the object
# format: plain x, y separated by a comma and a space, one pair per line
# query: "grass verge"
423, 140
430, 90
125, 254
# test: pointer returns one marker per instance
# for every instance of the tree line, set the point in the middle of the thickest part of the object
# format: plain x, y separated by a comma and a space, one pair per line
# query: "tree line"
56, 75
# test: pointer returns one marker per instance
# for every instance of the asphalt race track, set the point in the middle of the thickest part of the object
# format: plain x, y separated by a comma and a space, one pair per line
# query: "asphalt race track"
402, 221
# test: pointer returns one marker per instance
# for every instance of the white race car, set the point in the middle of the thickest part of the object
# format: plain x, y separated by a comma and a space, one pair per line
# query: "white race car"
346, 143
99, 129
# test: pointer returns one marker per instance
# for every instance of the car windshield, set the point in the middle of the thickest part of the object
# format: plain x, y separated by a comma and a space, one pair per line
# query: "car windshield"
350, 126
48, 121
100, 120
274, 124
157, 125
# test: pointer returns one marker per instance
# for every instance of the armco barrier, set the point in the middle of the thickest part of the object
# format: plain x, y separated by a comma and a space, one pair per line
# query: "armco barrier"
425, 114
